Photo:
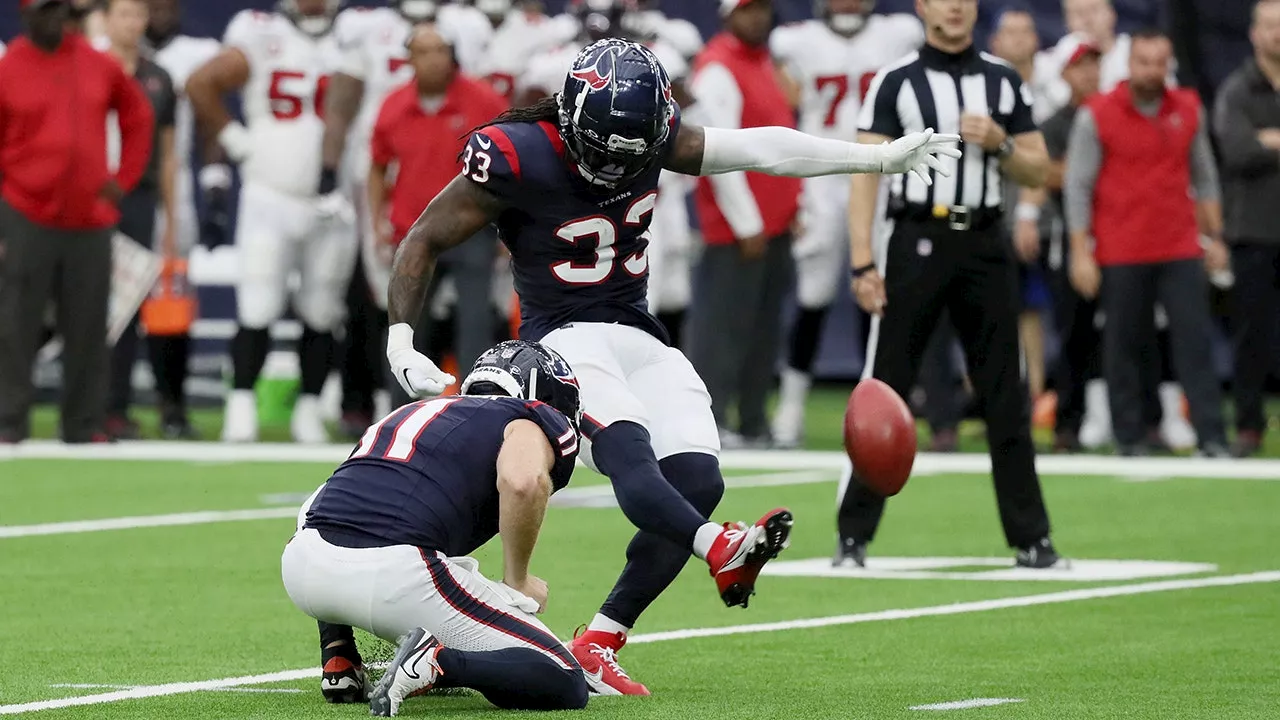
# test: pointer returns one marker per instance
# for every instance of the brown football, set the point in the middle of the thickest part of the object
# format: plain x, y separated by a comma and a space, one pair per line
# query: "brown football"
880, 437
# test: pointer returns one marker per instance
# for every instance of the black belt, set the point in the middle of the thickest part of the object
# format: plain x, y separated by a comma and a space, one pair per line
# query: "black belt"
954, 217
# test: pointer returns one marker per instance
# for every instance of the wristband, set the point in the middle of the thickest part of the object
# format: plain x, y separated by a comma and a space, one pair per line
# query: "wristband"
215, 177
328, 181
399, 337
862, 270
1027, 211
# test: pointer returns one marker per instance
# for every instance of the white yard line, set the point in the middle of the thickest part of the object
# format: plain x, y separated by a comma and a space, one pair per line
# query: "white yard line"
968, 704
964, 607
146, 521
878, 616
832, 461
104, 686
148, 691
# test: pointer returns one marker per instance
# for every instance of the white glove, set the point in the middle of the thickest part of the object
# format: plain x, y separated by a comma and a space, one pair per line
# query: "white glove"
414, 371
236, 142
215, 177
335, 207
917, 153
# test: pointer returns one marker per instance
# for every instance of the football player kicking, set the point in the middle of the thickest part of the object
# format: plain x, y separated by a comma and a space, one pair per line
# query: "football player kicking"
382, 545
571, 183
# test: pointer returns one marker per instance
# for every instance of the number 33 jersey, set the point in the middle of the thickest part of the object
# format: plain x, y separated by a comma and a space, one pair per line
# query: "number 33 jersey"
579, 254
283, 99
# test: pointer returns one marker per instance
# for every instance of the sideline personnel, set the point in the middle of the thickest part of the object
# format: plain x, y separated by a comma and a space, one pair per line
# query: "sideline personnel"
1134, 155
58, 209
948, 252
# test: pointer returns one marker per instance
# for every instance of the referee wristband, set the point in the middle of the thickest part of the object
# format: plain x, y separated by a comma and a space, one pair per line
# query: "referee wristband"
1027, 211
858, 272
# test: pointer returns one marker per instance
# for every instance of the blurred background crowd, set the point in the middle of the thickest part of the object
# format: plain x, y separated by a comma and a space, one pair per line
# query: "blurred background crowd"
174, 204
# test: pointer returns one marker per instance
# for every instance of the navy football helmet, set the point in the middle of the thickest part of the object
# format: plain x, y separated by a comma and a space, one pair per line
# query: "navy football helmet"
526, 370
616, 112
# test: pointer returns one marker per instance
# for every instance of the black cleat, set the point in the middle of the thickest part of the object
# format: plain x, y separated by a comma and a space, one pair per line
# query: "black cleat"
344, 682
850, 550
1040, 555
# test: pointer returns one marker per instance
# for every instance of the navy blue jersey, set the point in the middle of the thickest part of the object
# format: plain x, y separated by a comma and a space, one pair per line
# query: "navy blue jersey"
578, 254
426, 475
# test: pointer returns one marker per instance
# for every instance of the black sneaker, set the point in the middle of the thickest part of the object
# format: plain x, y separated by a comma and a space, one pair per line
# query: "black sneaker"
344, 682
1213, 450
1040, 555
178, 427
850, 550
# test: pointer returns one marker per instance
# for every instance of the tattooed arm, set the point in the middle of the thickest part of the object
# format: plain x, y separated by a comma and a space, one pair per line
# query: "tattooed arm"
461, 210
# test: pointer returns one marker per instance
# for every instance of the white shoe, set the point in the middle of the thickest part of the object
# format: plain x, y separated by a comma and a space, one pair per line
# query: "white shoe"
730, 440
1176, 432
307, 425
1095, 429
240, 418
788, 419
413, 672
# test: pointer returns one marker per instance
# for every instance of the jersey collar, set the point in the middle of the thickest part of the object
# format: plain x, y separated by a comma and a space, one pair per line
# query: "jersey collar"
936, 59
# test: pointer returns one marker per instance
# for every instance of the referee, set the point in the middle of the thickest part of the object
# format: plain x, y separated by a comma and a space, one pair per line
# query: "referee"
948, 252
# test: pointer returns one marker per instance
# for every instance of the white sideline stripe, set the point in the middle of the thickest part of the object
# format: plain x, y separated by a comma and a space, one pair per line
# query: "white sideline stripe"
964, 607
603, 493
834, 461
100, 686
968, 704
147, 691
143, 521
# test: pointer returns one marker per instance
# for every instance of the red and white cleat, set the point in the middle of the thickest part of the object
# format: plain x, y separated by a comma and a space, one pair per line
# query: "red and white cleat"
737, 556
343, 681
597, 653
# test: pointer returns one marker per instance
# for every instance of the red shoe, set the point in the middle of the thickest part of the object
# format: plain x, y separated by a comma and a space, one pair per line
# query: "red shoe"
597, 653
343, 681
737, 556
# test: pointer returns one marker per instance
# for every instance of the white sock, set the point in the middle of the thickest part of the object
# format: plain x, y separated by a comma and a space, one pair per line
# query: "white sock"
704, 538
604, 624
794, 387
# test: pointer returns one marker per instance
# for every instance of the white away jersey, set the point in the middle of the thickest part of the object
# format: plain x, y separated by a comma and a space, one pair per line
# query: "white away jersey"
521, 36
834, 71
283, 99
181, 57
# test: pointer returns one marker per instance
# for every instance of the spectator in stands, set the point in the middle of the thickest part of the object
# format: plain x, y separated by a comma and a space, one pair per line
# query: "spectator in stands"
746, 220
421, 131
125, 23
57, 210
1247, 123
1134, 153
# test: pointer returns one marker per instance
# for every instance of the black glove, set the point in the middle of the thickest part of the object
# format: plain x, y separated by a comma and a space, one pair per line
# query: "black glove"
328, 181
215, 229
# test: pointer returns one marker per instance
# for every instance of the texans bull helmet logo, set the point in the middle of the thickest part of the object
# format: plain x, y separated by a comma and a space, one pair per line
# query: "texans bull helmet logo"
592, 76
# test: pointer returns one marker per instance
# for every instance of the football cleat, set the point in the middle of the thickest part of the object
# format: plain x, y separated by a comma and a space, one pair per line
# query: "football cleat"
344, 682
597, 653
240, 420
306, 424
1040, 555
850, 552
737, 556
413, 671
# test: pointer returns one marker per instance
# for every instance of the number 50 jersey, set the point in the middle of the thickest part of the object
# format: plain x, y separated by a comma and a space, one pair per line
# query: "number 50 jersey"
283, 99
578, 254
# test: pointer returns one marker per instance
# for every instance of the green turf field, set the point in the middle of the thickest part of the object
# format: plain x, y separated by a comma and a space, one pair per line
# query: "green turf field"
178, 618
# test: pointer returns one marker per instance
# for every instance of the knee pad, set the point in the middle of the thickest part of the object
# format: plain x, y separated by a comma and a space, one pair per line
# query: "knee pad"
322, 307
259, 301
697, 477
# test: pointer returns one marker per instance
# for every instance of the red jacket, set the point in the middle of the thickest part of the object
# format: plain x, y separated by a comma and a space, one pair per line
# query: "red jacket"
53, 132
426, 144
1143, 211
763, 104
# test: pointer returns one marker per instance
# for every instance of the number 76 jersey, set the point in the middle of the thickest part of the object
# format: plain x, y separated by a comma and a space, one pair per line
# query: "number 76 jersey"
578, 254
834, 71
283, 99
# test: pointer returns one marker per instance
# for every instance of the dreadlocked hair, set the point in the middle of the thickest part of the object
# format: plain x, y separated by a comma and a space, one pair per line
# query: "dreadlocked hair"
547, 109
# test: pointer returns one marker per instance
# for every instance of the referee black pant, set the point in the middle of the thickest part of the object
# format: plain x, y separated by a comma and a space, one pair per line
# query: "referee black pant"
973, 276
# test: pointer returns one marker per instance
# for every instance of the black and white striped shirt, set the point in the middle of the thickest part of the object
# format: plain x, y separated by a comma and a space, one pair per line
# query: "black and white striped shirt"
931, 88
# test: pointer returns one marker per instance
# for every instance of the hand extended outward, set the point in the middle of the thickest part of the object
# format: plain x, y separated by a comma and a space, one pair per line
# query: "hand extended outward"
918, 153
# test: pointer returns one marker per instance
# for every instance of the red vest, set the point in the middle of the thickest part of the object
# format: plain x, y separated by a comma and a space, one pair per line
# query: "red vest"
1143, 211
763, 104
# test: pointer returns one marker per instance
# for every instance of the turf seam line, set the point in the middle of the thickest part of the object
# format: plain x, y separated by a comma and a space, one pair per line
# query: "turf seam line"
148, 691
926, 463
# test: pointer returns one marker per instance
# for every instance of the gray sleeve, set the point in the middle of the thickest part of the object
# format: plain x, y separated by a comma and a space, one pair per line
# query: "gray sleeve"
1242, 155
1084, 157
1204, 169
